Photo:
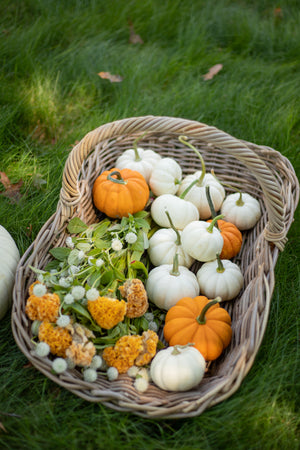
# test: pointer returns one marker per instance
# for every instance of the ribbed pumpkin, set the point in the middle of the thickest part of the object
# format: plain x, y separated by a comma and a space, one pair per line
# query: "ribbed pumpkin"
200, 322
118, 193
232, 238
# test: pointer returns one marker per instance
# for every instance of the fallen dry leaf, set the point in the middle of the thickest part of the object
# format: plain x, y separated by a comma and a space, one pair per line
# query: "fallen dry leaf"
11, 190
278, 13
110, 77
134, 38
213, 71
2, 427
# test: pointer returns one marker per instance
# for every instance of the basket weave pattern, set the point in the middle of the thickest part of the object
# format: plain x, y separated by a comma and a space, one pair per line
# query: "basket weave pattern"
258, 170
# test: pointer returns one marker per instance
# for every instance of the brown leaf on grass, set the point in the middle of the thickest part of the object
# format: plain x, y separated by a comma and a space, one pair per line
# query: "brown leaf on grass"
11, 190
28, 365
2, 427
278, 13
213, 71
110, 77
134, 38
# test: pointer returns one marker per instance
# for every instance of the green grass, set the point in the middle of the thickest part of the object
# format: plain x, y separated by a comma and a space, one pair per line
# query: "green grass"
51, 96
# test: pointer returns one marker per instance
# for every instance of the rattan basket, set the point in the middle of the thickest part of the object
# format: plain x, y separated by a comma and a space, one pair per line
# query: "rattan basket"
258, 170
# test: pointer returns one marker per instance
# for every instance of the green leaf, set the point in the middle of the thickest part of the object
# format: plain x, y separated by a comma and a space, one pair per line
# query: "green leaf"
76, 226
138, 265
35, 270
52, 265
101, 244
84, 246
101, 228
73, 257
60, 253
79, 309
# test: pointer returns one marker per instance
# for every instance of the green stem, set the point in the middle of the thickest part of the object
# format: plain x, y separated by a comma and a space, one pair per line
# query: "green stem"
175, 272
211, 205
213, 222
220, 268
183, 140
178, 240
119, 178
135, 143
201, 318
239, 201
177, 348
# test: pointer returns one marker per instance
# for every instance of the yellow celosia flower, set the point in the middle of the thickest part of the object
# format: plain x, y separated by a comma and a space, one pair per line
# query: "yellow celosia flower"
58, 339
124, 353
106, 311
137, 300
81, 354
150, 340
43, 308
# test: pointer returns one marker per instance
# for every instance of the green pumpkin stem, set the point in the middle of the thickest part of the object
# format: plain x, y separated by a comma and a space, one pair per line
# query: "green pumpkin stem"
119, 178
239, 201
213, 223
220, 268
178, 240
175, 272
177, 348
135, 144
183, 140
201, 318
211, 205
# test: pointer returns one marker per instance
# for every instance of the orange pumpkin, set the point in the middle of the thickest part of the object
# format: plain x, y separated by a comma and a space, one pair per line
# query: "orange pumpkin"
232, 238
200, 322
118, 193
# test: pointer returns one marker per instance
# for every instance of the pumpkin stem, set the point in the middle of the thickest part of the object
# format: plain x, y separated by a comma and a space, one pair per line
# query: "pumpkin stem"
239, 201
178, 240
220, 268
213, 222
175, 272
135, 143
211, 205
183, 140
201, 318
177, 348
118, 178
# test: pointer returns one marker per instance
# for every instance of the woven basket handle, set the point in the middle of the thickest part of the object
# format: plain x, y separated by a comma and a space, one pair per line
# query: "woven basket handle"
275, 230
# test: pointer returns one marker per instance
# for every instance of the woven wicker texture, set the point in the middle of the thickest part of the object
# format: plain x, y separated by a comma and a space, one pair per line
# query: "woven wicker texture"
258, 170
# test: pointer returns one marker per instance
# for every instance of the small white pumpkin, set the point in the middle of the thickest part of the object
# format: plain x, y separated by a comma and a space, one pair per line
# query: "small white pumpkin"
177, 368
220, 278
194, 186
9, 258
165, 243
165, 177
138, 159
167, 283
202, 240
181, 211
242, 210
197, 193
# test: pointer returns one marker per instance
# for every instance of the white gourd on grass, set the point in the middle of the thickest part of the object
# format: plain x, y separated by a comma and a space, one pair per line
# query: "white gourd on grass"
9, 258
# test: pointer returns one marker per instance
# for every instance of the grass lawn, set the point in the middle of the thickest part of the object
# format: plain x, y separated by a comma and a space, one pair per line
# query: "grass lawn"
51, 95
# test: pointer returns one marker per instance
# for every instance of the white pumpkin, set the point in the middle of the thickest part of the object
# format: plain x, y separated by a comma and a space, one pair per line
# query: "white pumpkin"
242, 210
181, 211
197, 194
167, 283
177, 368
143, 161
220, 278
9, 258
202, 240
164, 244
165, 177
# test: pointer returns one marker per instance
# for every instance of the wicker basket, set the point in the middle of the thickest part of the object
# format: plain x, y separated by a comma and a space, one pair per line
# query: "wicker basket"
258, 170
